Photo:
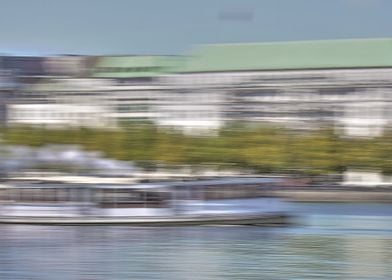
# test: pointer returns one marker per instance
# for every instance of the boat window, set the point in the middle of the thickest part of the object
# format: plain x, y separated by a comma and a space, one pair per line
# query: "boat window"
130, 199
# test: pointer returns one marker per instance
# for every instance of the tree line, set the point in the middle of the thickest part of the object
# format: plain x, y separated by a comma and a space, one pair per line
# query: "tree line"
262, 149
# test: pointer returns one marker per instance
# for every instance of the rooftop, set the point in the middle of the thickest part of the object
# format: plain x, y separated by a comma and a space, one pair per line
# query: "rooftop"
322, 54
132, 66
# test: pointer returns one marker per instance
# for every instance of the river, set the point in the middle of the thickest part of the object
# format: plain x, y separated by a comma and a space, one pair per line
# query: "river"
326, 241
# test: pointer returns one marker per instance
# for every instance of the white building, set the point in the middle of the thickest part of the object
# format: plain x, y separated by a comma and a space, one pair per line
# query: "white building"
366, 178
342, 83
76, 92
58, 115
185, 104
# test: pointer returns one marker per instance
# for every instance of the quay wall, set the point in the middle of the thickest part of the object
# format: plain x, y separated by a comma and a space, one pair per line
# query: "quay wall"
309, 194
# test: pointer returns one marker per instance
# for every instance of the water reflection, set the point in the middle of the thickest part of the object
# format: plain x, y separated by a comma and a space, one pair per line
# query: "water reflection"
307, 251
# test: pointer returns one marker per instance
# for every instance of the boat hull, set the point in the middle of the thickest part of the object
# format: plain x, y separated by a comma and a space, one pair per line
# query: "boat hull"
188, 220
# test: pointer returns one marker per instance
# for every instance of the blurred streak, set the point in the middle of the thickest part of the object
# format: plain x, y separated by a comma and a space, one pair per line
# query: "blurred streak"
233, 134
315, 113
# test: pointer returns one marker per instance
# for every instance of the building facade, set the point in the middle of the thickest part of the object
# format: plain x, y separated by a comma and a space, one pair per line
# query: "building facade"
98, 92
346, 84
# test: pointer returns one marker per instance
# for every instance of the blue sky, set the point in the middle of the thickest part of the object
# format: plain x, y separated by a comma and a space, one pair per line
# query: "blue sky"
174, 26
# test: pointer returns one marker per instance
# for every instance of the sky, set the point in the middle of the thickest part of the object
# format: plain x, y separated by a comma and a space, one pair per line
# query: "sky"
112, 27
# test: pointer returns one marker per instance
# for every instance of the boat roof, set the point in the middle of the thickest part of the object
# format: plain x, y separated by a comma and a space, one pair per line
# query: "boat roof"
158, 185
136, 186
81, 186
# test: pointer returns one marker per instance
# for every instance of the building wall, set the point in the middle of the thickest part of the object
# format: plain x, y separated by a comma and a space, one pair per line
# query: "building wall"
114, 102
356, 102
7, 86
58, 115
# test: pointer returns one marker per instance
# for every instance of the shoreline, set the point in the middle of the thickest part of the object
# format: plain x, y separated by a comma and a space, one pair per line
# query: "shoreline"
332, 194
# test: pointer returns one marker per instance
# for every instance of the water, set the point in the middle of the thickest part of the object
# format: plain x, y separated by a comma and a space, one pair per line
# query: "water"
328, 241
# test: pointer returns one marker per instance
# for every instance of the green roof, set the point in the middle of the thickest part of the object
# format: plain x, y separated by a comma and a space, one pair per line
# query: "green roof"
131, 66
351, 53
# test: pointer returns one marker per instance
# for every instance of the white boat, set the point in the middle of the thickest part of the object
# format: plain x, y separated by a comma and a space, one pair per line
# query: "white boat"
170, 203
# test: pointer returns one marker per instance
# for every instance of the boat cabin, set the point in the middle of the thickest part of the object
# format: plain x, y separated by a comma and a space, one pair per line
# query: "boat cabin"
158, 199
